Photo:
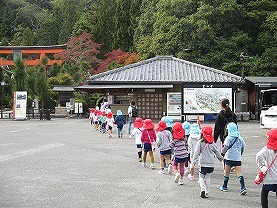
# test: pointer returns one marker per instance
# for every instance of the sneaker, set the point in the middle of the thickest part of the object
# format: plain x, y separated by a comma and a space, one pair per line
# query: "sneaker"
161, 171
191, 177
177, 178
207, 195
143, 164
243, 192
224, 189
170, 169
152, 167
203, 194
181, 182
140, 160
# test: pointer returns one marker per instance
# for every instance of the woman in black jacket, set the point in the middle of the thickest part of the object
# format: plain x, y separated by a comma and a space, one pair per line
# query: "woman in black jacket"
224, 117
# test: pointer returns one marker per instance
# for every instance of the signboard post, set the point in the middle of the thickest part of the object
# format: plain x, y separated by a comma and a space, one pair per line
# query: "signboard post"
20, 105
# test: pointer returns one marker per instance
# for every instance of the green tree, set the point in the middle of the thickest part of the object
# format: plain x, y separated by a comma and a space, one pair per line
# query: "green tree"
19, 76
68, 20
41, 89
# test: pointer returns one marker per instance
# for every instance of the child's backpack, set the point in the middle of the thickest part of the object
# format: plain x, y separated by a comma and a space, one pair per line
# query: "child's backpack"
134, 111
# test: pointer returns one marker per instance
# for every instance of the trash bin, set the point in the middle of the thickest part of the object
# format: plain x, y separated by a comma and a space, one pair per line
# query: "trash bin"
245, 116
47, 114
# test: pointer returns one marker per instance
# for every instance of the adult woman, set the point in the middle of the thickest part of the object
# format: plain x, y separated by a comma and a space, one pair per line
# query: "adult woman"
224, 117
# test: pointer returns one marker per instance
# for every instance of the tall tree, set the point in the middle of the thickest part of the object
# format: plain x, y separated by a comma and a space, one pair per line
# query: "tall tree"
69, 16
19, 76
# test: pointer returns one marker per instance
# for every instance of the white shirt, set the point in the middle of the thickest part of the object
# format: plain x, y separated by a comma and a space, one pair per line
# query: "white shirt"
110, 121
130, 109
137, 134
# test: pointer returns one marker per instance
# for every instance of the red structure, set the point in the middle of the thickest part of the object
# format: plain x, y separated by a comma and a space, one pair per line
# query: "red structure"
30, 55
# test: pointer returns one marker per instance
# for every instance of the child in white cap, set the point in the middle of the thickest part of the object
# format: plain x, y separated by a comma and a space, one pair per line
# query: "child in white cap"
233, 148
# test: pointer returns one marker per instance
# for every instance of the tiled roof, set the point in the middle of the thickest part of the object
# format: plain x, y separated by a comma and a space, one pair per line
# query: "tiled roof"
164, 69
257, 80
64, 88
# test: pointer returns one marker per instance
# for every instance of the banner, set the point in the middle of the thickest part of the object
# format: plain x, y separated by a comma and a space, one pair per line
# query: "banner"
205, 100
20, 105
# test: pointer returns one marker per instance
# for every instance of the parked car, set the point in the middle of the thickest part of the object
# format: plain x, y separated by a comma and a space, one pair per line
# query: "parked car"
268, 118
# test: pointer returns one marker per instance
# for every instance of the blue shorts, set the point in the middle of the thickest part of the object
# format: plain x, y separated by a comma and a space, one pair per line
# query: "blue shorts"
165, 152
181, 160
270, 187
147, 147
139, 146
205, 170
231, 163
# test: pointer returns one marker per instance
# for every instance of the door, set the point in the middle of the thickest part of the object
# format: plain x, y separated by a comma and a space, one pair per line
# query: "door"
150, 105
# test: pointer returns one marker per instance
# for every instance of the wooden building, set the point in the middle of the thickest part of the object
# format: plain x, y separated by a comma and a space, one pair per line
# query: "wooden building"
162, 86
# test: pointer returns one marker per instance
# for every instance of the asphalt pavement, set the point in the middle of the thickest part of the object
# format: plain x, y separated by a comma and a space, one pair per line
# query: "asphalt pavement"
66, 163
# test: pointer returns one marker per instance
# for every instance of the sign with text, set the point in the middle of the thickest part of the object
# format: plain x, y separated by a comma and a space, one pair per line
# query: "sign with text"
20, 105
205, 100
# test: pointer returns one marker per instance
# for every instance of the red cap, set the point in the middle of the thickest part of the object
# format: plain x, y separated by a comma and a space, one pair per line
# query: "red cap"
161, 126
208, 134
178, 131
103, 113
110, 115
138, 123
148, 124
92, 110
272, 139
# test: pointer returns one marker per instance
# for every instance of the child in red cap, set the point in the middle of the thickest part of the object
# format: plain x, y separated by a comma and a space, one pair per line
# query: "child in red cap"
164, 138
91, 115
109, 124
205, 151
266, 160
136, 132
180, 151
148, 138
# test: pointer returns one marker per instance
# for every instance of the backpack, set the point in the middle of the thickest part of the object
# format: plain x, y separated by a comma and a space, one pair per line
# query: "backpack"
225, 133
134, 111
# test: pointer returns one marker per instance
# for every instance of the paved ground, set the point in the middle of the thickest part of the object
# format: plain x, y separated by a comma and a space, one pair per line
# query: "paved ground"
65, 163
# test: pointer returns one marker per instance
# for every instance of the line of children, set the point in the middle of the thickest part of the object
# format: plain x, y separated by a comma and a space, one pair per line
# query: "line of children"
104, 121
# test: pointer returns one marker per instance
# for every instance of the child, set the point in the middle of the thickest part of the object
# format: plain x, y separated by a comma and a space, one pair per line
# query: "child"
148, 138
103, 122
232, 149
179, 150
264, 158
109, 124
205, 151
136, 132
186, 125
120, 121
95, 119
164, 138
194, 137
169, 122
91, 115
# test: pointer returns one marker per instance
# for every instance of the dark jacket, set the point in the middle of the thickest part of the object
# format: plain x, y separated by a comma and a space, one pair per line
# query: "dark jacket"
220, 124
